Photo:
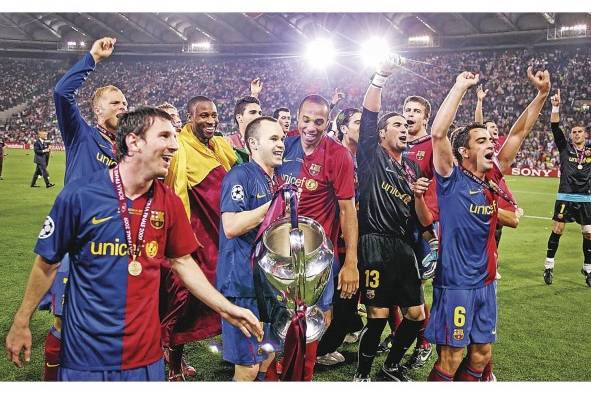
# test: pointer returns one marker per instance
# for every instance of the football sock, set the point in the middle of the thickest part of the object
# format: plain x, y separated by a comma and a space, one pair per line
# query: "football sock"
368, 344
404, 337
552, 246
587, 253
549, 263
394, 319
487, 372
176, 357
52, 357
468, 374
421, 340
438, 375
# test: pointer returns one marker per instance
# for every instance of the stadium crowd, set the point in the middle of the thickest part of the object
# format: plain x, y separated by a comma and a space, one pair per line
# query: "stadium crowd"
286, 81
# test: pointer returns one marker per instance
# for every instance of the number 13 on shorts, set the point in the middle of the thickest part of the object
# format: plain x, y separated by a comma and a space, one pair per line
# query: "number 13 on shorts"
372, 279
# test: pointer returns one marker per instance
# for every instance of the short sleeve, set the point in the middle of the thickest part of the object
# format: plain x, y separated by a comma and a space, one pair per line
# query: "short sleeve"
234, 191
343, 176
59, 228
180, 238
445, 185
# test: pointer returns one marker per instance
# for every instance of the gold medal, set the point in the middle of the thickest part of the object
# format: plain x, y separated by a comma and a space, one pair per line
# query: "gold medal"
134, 268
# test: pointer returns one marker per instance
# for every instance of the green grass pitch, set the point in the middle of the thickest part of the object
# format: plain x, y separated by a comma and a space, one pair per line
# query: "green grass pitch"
543, 331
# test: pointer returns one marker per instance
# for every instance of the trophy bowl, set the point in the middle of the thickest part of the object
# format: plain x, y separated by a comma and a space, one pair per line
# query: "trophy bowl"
297, 263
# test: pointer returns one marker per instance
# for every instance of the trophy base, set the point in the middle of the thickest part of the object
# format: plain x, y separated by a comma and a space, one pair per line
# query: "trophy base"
315, 326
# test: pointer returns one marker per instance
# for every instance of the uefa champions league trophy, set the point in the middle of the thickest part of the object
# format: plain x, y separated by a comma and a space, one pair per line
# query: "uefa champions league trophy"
296, 258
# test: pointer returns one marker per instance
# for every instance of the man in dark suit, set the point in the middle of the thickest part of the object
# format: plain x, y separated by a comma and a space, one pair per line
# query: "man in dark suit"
41, 148
2, 154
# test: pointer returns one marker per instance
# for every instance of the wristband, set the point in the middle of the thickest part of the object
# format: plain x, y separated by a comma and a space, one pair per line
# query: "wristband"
555, 110
378, 80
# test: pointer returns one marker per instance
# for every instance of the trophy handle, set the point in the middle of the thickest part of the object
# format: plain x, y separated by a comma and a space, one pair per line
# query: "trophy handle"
291, 207
298, 258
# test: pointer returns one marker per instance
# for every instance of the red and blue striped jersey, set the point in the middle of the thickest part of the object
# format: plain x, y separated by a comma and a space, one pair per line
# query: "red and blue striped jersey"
111, 318
467, 222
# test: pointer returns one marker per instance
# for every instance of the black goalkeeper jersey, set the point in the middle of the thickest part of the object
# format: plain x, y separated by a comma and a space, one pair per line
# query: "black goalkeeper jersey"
573, 180
386, 201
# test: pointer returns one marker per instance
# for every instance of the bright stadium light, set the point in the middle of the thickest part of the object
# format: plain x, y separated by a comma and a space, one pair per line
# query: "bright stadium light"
419, 39
374, 51
320, 53
203, 46
82, 44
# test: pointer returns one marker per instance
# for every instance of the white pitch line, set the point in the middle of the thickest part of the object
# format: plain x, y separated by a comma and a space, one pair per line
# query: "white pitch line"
536, 217
533, 192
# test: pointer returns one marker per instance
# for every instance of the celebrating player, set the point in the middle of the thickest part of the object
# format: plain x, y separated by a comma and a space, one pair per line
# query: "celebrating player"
573, 202
386, 204
247, 191
322, 169
118, 225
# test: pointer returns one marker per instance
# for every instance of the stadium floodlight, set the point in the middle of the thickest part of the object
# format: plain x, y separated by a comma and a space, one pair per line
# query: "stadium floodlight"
71, 44
419, 39
82, 44
203, 46
321, 53
374, 50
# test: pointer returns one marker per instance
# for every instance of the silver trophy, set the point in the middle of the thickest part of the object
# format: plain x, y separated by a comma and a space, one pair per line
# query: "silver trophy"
297, 263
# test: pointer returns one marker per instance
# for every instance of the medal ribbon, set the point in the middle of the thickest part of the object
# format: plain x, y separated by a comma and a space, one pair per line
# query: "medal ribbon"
580, 156
419, 140
111, 136
493, 188
124, 213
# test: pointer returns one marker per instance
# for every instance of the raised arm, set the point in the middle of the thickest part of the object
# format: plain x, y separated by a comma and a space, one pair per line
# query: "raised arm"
256, 86
373, 97
526, 121
478, 113
442, 149
557, 133
68, 114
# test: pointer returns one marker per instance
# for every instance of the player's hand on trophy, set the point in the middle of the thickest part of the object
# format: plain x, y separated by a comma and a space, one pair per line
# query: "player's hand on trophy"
541, 80
348, 280
420, 187
18, 340
102, 48
467, 79
555, 100
336, 97
244, 319
256, 86
480, 93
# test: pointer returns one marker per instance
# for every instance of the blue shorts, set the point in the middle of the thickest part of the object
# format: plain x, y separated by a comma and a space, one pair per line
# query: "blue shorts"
240, 350
150, 373
325, 301
53, 300
460, 317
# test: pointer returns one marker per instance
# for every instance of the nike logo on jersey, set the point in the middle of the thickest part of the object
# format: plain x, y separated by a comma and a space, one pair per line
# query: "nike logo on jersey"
261, 195
48, 365
473, 192
101, 220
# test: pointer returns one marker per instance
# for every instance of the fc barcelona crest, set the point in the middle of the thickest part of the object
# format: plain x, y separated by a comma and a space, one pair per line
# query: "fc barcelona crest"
458, 334
157, 219
315, 169
420, 155
152, 249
